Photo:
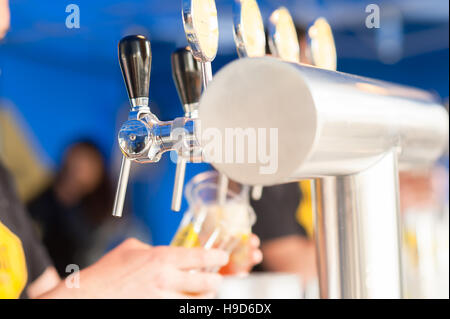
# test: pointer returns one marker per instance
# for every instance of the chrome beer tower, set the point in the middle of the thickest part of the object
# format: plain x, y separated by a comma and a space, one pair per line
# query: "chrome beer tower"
350, 134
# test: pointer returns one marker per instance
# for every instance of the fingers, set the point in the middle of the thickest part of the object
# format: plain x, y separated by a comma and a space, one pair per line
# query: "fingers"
243, 259
198, 283
256, 255
254, 241
179, 295
133, 243
4, 18
190, 258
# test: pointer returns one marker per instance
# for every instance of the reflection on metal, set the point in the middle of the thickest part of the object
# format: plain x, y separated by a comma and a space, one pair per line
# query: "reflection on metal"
248, 29
143, 137
321, 45
135, 58
201, 28
283, 39
331, 127
121, 190
250, 40
357, 233
202, 32
350, 139
348, 132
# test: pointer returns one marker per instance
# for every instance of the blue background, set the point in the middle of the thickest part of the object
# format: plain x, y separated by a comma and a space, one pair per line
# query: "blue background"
66, 83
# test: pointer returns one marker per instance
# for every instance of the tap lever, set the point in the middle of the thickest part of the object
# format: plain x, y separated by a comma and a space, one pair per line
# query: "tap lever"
187, 75
135, 57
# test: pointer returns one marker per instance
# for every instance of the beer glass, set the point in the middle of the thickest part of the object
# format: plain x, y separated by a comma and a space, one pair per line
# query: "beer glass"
210, 224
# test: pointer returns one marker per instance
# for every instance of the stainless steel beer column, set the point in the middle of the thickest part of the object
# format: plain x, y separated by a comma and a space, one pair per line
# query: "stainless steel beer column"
357, 233
350, 133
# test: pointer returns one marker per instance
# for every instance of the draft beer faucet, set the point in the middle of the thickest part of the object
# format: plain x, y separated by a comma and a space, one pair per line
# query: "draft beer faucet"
143, 137
135, 58
187, 75
283, 40
202, 33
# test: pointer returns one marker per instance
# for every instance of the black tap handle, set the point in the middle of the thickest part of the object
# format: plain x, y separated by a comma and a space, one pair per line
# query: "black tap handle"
135, 57
187, 75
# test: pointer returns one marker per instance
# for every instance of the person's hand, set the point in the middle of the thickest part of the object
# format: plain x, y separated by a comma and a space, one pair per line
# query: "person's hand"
416, 190
4, 18
244, 258
137, 270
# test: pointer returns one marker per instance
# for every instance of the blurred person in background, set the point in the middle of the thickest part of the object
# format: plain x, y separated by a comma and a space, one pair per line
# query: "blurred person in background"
73, 213
131, 270
4, 18
425, 228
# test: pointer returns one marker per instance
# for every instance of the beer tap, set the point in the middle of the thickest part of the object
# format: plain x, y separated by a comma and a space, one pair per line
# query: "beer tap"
250, 40
248, 29
284, 43
283, 40
143, 137
321, 45
135, 62
187, 75
202, 33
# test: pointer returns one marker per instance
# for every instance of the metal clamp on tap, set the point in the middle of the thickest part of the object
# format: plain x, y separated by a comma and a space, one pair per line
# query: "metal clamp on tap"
143, 137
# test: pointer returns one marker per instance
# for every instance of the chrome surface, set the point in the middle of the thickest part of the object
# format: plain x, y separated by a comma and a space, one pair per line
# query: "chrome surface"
206, 74
248, 29
201, 28
357, 233
283, 39
187, 74
140, 103
121, 190
351, 134
328, 123
321, 45
135, 58
250, 39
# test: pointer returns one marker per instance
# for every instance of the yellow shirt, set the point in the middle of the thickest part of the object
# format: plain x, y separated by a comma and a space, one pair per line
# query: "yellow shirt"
13, 269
